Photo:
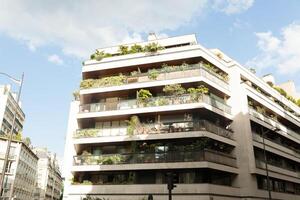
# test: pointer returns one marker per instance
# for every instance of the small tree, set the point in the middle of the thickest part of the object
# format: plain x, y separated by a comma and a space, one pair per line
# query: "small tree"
27, 141
133, 124
76, 95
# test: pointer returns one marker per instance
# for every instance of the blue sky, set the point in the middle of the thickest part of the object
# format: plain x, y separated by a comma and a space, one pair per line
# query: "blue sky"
48, 40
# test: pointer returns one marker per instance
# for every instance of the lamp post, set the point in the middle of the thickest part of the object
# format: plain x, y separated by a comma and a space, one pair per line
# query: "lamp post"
9, 138
263, 133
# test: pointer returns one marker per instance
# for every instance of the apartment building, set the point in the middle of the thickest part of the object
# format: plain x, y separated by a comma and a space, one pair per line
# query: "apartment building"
20, 179
8, 105
172, 105
49, 181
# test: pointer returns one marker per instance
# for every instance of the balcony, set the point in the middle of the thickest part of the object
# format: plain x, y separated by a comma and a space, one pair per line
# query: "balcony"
157, 128
278, 145
278, 168
165, 73
153, 102
274, 104
164, 157
274, 123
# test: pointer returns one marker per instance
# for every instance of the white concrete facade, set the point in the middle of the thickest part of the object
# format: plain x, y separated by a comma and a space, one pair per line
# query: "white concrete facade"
104, 159
8, 105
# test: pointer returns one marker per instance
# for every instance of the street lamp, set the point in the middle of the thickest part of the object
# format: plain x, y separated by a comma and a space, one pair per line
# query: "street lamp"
263, 133
9, 138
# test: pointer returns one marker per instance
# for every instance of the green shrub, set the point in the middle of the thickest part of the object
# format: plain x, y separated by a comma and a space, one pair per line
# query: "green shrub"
99, 55
136, 48
153, 47
153, 74
175, 89
123, 50
162, 102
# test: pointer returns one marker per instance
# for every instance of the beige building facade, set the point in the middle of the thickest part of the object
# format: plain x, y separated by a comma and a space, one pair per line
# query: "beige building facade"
49, 181
172, 105
20, 179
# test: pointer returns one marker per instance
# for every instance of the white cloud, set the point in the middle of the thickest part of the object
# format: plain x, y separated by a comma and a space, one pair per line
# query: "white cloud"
55, 59
79, 27
282, 53
232, 6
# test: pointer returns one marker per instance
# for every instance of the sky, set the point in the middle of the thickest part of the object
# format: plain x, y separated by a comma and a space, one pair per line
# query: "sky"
49, 39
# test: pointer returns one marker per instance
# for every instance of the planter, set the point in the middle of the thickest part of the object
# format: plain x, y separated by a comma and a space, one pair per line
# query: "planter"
191, 73
143, 79
174, 75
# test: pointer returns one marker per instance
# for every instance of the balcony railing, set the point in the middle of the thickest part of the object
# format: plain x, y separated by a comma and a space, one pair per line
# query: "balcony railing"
157, 128
159, 157
188, 70
261, 164
273, 122
154, 102
256, 137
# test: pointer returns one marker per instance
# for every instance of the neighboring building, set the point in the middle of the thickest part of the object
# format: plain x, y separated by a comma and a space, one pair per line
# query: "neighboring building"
7, 108
49, 182
21, 173
133, 125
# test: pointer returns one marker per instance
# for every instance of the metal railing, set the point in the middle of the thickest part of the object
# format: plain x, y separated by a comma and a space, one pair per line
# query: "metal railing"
157, 128
154, 102
276, 163
158, 157
269, 120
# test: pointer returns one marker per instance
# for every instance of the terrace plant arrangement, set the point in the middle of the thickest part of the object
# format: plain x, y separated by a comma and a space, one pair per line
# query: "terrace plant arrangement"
99, 55
153, 47
153, 74
197, 93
